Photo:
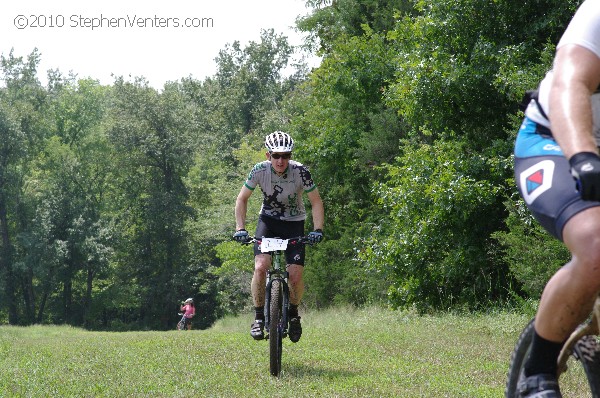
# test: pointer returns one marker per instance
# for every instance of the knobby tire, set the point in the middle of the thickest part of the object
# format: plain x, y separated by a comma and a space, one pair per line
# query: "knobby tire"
585, 351
181, 325
517, 361
275, 327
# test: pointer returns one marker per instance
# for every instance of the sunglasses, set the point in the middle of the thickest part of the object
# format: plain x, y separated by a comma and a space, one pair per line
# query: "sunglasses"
281, 155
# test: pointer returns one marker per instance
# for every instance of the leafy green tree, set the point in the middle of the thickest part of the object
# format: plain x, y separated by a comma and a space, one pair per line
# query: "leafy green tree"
11, 148
344, 129
451, 58
233, 277
461, 67
154, 135
335, 275
434, 244
67, 243
532, 254
23, 105
331, 20
250, 81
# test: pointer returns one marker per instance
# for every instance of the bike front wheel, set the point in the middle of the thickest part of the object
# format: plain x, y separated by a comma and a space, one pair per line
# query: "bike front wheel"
181, 325
585, 353
276, 327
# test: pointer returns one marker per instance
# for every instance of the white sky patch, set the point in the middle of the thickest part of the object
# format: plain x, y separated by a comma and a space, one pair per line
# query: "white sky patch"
155, 39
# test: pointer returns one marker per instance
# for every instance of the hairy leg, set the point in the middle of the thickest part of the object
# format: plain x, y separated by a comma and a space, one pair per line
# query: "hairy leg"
262, 262
296, 283
569, 295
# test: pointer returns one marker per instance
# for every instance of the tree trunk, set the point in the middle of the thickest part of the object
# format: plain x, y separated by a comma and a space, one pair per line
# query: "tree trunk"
88, 297
28, 296
67, 298
6, 264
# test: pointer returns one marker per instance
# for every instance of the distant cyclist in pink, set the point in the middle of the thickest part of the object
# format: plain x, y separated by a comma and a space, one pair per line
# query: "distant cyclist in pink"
189, 311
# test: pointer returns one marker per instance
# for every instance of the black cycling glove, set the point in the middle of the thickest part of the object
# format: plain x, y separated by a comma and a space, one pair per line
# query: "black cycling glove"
585, 169
241, 236
315, 236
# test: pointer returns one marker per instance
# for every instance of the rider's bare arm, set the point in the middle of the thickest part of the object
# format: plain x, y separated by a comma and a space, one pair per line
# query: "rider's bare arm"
318, 212
576, 77
241, 207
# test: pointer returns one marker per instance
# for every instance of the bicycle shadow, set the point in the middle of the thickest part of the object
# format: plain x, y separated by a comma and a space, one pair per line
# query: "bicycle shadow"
299, 371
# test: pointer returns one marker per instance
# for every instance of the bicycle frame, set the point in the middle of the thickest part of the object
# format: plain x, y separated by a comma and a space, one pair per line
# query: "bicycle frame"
277, 273
591, 327
182, 321
582, 345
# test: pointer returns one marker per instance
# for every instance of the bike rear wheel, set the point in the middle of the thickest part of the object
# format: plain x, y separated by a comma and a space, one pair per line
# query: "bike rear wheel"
275, 327
585, 351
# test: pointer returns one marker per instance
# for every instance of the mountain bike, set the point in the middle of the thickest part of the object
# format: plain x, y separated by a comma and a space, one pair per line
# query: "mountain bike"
181, 323
277, 296
581, 347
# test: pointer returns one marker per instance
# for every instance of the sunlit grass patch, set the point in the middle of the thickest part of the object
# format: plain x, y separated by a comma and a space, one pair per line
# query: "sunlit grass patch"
344, 352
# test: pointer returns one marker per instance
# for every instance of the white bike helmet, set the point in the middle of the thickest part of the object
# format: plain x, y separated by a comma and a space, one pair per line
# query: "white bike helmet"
279, 141
190, 300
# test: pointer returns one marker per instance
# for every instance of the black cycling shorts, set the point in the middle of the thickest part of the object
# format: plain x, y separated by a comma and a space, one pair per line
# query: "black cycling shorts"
273, 228
544, 179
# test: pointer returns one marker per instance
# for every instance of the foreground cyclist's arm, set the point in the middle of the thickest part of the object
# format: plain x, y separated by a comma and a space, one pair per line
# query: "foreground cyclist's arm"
576, 77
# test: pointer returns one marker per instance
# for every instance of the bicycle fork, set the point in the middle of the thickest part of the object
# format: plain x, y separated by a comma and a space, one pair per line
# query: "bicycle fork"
273, 275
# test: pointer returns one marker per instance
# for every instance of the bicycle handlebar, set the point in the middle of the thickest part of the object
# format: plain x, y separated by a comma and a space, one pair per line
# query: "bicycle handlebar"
292, 241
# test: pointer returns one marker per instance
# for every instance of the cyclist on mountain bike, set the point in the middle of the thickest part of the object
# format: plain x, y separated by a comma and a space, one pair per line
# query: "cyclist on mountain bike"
189, 310
282, 215
558, 142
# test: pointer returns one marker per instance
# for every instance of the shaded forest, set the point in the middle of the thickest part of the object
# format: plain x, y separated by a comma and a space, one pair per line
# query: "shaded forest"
116, 201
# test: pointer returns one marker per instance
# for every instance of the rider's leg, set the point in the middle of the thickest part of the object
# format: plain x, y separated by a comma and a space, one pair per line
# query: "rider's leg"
262, 262
569, 295
296, 283
296, 293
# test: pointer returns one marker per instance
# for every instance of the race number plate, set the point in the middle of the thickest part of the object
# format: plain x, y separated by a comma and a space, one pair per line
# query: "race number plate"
272, 244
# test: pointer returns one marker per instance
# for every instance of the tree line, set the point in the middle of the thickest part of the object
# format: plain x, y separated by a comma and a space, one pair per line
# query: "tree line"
116, 201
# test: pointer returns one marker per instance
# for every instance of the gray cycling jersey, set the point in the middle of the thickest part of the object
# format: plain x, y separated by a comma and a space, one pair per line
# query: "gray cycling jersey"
282, 194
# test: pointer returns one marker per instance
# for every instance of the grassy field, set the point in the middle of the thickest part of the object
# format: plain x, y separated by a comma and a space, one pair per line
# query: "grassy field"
343, 353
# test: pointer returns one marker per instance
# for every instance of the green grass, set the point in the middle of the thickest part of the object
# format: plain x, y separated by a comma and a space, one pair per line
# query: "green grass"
343, 352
